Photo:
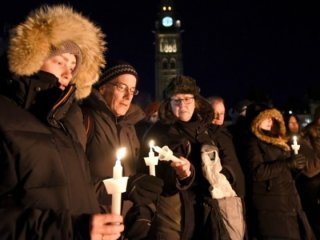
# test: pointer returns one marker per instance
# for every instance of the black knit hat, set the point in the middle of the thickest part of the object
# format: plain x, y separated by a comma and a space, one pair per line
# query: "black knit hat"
115, 69
181, 84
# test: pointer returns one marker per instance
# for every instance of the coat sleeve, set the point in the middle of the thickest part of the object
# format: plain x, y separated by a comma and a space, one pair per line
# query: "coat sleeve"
264, 165
310, 147
229, 159
162, 136
22, 222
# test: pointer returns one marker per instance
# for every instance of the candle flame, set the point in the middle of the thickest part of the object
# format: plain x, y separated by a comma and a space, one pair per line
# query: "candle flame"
121, 153
151, 144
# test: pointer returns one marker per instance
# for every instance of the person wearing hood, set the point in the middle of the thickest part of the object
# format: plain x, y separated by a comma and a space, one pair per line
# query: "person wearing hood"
110, 118
276, 209
46, 191
182, 209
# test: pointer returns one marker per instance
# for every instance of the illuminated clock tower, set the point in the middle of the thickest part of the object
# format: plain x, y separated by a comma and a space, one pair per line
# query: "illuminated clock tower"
168, 55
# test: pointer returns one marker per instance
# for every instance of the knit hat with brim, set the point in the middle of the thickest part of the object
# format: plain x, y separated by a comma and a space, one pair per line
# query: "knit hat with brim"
68, 47
115, 69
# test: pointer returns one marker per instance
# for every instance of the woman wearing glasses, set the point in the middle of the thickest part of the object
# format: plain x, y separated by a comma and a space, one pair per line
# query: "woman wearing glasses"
182, 210
110, 118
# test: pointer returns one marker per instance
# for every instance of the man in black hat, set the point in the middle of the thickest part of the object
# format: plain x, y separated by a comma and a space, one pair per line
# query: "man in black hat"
110, 120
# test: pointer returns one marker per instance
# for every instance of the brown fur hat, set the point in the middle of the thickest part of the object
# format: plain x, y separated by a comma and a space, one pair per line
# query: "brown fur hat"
46, 28
276, 116
181, 84
184, 85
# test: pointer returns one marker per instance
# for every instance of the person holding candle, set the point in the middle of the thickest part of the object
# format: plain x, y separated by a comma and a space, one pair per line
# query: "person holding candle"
110, 118
308, 182
185, 209
293, 127
53, 58
276, 209
292, 123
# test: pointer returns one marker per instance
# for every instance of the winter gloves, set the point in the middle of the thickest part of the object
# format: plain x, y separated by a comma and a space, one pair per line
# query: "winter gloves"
297, 162
143, 189
138, 221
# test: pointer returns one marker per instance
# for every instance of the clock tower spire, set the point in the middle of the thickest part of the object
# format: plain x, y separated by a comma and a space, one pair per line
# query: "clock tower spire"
168, 54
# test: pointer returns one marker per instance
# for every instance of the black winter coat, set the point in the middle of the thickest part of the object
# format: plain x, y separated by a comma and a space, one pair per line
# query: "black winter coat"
106, 133
276, 204
45, 186
308, 182
199, 212
229, 160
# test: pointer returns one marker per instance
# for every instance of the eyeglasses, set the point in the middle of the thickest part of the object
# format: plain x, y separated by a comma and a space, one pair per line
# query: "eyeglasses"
178, 101
124, 88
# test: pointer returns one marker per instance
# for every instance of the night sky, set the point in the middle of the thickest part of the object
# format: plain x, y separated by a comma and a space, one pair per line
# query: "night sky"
235, 49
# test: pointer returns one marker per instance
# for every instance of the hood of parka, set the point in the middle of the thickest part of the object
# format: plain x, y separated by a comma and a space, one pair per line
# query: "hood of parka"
32, 41
281, 140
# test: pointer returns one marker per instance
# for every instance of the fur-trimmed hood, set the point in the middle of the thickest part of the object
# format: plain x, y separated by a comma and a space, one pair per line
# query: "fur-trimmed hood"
47, 27
273, 113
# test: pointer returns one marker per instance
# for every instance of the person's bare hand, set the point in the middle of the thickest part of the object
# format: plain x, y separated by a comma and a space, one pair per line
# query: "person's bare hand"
182, 168
106, 227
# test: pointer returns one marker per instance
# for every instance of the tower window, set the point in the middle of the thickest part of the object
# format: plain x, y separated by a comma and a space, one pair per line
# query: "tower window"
172, 63
168, 45
165, 64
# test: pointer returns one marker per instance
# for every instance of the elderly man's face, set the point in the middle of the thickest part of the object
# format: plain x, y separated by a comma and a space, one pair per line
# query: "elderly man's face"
118, 93
219, 112
183, 106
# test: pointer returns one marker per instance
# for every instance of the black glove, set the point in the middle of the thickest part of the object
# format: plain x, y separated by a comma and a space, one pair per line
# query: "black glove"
138, 221
143, 189
297, 161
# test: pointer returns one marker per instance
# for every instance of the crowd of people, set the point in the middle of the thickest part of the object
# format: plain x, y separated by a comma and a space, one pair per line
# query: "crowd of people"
65, 111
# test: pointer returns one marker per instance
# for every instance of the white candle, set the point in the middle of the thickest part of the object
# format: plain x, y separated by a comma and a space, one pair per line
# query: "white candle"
295, 146
117, 175
166, 154
295, 142
117, 169
151, 144
151, 160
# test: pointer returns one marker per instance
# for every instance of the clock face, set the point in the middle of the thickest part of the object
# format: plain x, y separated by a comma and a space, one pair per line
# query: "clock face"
167, 21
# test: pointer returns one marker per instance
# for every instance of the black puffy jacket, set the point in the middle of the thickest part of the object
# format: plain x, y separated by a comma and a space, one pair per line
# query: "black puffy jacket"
45, 186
